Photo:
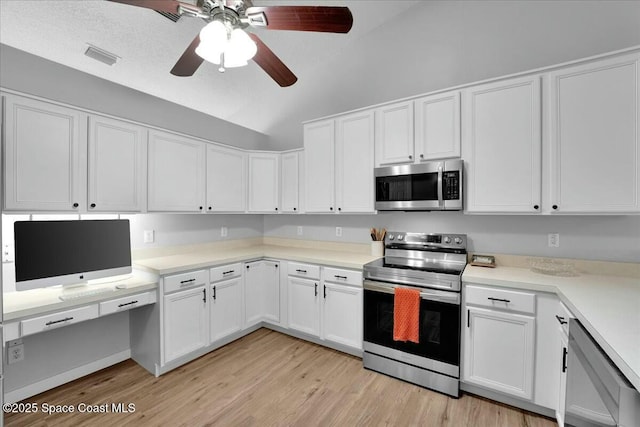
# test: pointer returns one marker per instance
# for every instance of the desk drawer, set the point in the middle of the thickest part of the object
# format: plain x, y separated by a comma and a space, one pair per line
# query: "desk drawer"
225, 272
127, 303
59, 319
338, 275
304, 270
185, 280
503, 299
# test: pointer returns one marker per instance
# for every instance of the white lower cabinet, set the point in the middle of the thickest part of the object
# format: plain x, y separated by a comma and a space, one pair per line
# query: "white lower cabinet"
186, 321
499, 350
342, 314
225, 316
304, 305
262, 292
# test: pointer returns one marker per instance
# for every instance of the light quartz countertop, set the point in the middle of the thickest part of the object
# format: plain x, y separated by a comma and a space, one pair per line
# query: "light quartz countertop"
22, 304
608, 307
211, 257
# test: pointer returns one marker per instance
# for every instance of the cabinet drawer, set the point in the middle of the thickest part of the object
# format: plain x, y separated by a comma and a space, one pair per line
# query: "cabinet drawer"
225, 272
304, 270
504, 299
127, 303
338, 275
56, 320
185, 280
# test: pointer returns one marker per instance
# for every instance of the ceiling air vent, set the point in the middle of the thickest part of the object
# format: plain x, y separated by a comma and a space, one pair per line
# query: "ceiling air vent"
101, 55
173, 16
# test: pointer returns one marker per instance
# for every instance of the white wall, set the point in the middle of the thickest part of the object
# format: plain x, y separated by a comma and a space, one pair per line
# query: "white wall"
440, 44
608, 238
33, 75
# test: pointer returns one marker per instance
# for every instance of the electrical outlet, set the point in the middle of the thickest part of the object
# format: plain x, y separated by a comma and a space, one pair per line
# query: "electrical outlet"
149, 236
553, 240
8, 253
224, 231
15, 350
338, 231
299, 230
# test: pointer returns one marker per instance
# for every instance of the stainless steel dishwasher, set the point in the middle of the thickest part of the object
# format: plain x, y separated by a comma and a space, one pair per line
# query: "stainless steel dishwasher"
598, 394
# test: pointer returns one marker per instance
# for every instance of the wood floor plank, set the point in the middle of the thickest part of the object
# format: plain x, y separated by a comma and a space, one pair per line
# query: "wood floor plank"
267, 379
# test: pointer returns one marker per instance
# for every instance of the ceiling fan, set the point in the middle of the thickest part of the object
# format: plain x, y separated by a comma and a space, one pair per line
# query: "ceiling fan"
224, 40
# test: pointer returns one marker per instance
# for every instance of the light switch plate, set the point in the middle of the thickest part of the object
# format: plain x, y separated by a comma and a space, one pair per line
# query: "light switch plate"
224, 231
149, 236
338, 231
299, 230
553, 240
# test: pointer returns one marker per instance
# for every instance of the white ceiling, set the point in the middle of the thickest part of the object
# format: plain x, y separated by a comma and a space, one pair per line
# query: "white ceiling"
150, 44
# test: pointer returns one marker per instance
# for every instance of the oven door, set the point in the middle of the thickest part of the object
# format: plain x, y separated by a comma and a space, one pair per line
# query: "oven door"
439, 339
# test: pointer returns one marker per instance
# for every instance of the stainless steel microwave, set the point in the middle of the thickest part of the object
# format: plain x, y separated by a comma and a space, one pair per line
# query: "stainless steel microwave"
429, 186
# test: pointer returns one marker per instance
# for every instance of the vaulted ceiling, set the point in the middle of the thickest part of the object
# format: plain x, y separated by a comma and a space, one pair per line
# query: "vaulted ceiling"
149, 44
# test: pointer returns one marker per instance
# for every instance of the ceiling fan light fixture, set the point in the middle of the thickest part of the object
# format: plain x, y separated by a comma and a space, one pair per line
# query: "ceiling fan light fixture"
215, 40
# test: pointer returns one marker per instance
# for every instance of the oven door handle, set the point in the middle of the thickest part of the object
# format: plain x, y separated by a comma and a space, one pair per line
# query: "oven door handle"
426, 294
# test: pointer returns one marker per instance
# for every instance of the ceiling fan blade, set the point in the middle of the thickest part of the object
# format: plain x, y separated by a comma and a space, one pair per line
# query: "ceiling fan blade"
271, 64
327, 19
189, 61
169, 6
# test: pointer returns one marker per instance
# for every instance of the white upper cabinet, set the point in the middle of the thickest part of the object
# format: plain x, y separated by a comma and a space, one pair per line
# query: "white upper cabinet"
176, 173
437, 126
44, 156
394, 134
501, 131
354, 163
594, 131
117, 162
264, 182
289, 182
226, 179
319, 141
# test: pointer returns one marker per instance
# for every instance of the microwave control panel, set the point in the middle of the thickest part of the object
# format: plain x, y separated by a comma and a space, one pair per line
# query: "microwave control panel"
451, 185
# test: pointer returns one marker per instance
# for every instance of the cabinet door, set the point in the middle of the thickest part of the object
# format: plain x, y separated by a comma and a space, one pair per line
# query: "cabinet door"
342, 314
117, 158
499, 351
354, 163
271, 284
394, 134
264, 182
185, 322
254, 293
304, 305
319, 139
563, 348
43, 170
502, 146
594, 120
437, 126
226, 179
289, 182
176, 173
226, 308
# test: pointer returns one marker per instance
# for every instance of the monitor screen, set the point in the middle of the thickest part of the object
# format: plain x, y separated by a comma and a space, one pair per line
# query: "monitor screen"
49, 253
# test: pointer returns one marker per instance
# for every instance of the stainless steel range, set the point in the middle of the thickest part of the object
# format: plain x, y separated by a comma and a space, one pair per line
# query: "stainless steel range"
432, 264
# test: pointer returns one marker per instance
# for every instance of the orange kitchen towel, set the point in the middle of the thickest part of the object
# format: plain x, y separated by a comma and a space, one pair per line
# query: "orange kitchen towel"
406, 315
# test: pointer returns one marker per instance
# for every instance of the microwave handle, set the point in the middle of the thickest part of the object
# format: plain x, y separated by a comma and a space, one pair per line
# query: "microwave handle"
440, 197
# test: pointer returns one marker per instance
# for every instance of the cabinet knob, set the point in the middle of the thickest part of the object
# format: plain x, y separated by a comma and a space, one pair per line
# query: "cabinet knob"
331, 208
200, 207
422, 156
295, 209
535, 207
410, 157
276, 208
93, 205
75, 205
555, 206
339, 209
209, 207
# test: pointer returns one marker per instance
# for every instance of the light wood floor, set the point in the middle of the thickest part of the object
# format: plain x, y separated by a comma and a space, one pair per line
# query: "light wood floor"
265, 379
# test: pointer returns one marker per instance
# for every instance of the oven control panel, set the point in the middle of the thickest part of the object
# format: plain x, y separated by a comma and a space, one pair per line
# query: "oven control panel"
402, 238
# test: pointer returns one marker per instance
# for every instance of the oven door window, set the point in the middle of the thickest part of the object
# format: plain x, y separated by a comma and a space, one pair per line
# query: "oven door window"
405, 188
439, 327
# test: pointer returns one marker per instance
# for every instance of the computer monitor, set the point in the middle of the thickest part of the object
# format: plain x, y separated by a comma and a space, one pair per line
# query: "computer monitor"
51, 253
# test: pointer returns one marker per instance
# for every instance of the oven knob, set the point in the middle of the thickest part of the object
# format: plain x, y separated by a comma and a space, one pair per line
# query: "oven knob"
447, 239
458, 240
391, 236
400, 237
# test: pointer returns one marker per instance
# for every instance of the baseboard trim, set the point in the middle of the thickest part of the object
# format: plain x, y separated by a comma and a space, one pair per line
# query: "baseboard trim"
65, 377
